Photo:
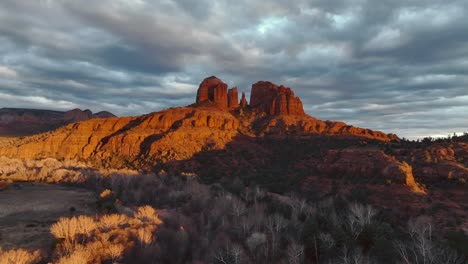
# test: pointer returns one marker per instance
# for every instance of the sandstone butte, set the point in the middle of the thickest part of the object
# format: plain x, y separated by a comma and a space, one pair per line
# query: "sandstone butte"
216, 120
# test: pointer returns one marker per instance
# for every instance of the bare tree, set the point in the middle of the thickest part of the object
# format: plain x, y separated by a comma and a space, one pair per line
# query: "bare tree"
359, 216
326, 240
422, 248
421, 232
295, 253
237, 208
236, 252
275, 225
246, 222
232, 254
353, 257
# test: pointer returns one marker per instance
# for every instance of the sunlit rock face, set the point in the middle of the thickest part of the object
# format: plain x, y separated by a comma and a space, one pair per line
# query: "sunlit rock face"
173, 134
214, 90
275, 100
265, 97
233, 98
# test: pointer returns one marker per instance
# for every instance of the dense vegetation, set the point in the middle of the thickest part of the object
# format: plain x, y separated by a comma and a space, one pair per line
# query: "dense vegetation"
177, 219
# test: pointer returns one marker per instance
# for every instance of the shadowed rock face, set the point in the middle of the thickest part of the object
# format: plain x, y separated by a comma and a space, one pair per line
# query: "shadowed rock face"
367, 163
243, 102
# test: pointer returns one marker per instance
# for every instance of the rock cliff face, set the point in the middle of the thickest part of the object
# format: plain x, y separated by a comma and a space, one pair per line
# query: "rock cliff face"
171, 134
265, 97
438, 162
214, 90
233, 98
275, 100
243, 103
21, 122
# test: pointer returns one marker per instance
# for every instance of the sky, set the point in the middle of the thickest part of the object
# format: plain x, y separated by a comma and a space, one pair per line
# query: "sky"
393, 65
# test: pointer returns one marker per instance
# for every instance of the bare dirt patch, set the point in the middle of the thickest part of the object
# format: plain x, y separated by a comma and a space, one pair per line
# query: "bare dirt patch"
27, 210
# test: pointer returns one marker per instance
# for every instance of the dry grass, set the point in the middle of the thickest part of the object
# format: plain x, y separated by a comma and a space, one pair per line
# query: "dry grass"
84, 239
51, 170
19, 256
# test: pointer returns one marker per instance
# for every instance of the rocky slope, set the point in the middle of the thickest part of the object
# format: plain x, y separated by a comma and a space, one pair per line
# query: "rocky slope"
436, 163
22, 122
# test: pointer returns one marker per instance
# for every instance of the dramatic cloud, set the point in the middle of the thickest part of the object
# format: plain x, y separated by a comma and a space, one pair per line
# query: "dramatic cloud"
394, 65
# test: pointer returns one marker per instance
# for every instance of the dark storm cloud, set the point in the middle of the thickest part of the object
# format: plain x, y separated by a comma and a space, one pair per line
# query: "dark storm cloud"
399, 66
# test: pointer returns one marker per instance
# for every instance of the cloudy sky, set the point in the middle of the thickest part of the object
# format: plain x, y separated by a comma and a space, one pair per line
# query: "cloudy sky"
394, 65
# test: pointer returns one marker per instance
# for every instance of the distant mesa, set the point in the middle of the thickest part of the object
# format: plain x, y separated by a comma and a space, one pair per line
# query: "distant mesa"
264, 97
24, 122
77, 115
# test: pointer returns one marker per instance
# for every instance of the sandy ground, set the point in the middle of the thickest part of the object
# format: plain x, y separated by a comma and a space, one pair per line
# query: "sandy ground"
27, 210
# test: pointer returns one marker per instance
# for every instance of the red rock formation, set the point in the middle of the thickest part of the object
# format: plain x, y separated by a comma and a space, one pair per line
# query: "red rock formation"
243, 102
167, 135
214, 90
306, 125
179, 133
439, 162
220, 96
368, 162
275, 100
233, 98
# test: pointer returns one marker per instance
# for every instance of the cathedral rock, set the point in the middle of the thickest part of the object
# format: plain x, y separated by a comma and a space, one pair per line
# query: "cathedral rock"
265, 97
214, 90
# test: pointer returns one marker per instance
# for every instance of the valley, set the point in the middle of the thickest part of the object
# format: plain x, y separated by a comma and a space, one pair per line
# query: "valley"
27, 211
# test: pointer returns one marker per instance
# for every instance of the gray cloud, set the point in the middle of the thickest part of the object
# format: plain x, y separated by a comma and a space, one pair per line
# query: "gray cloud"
394, 65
